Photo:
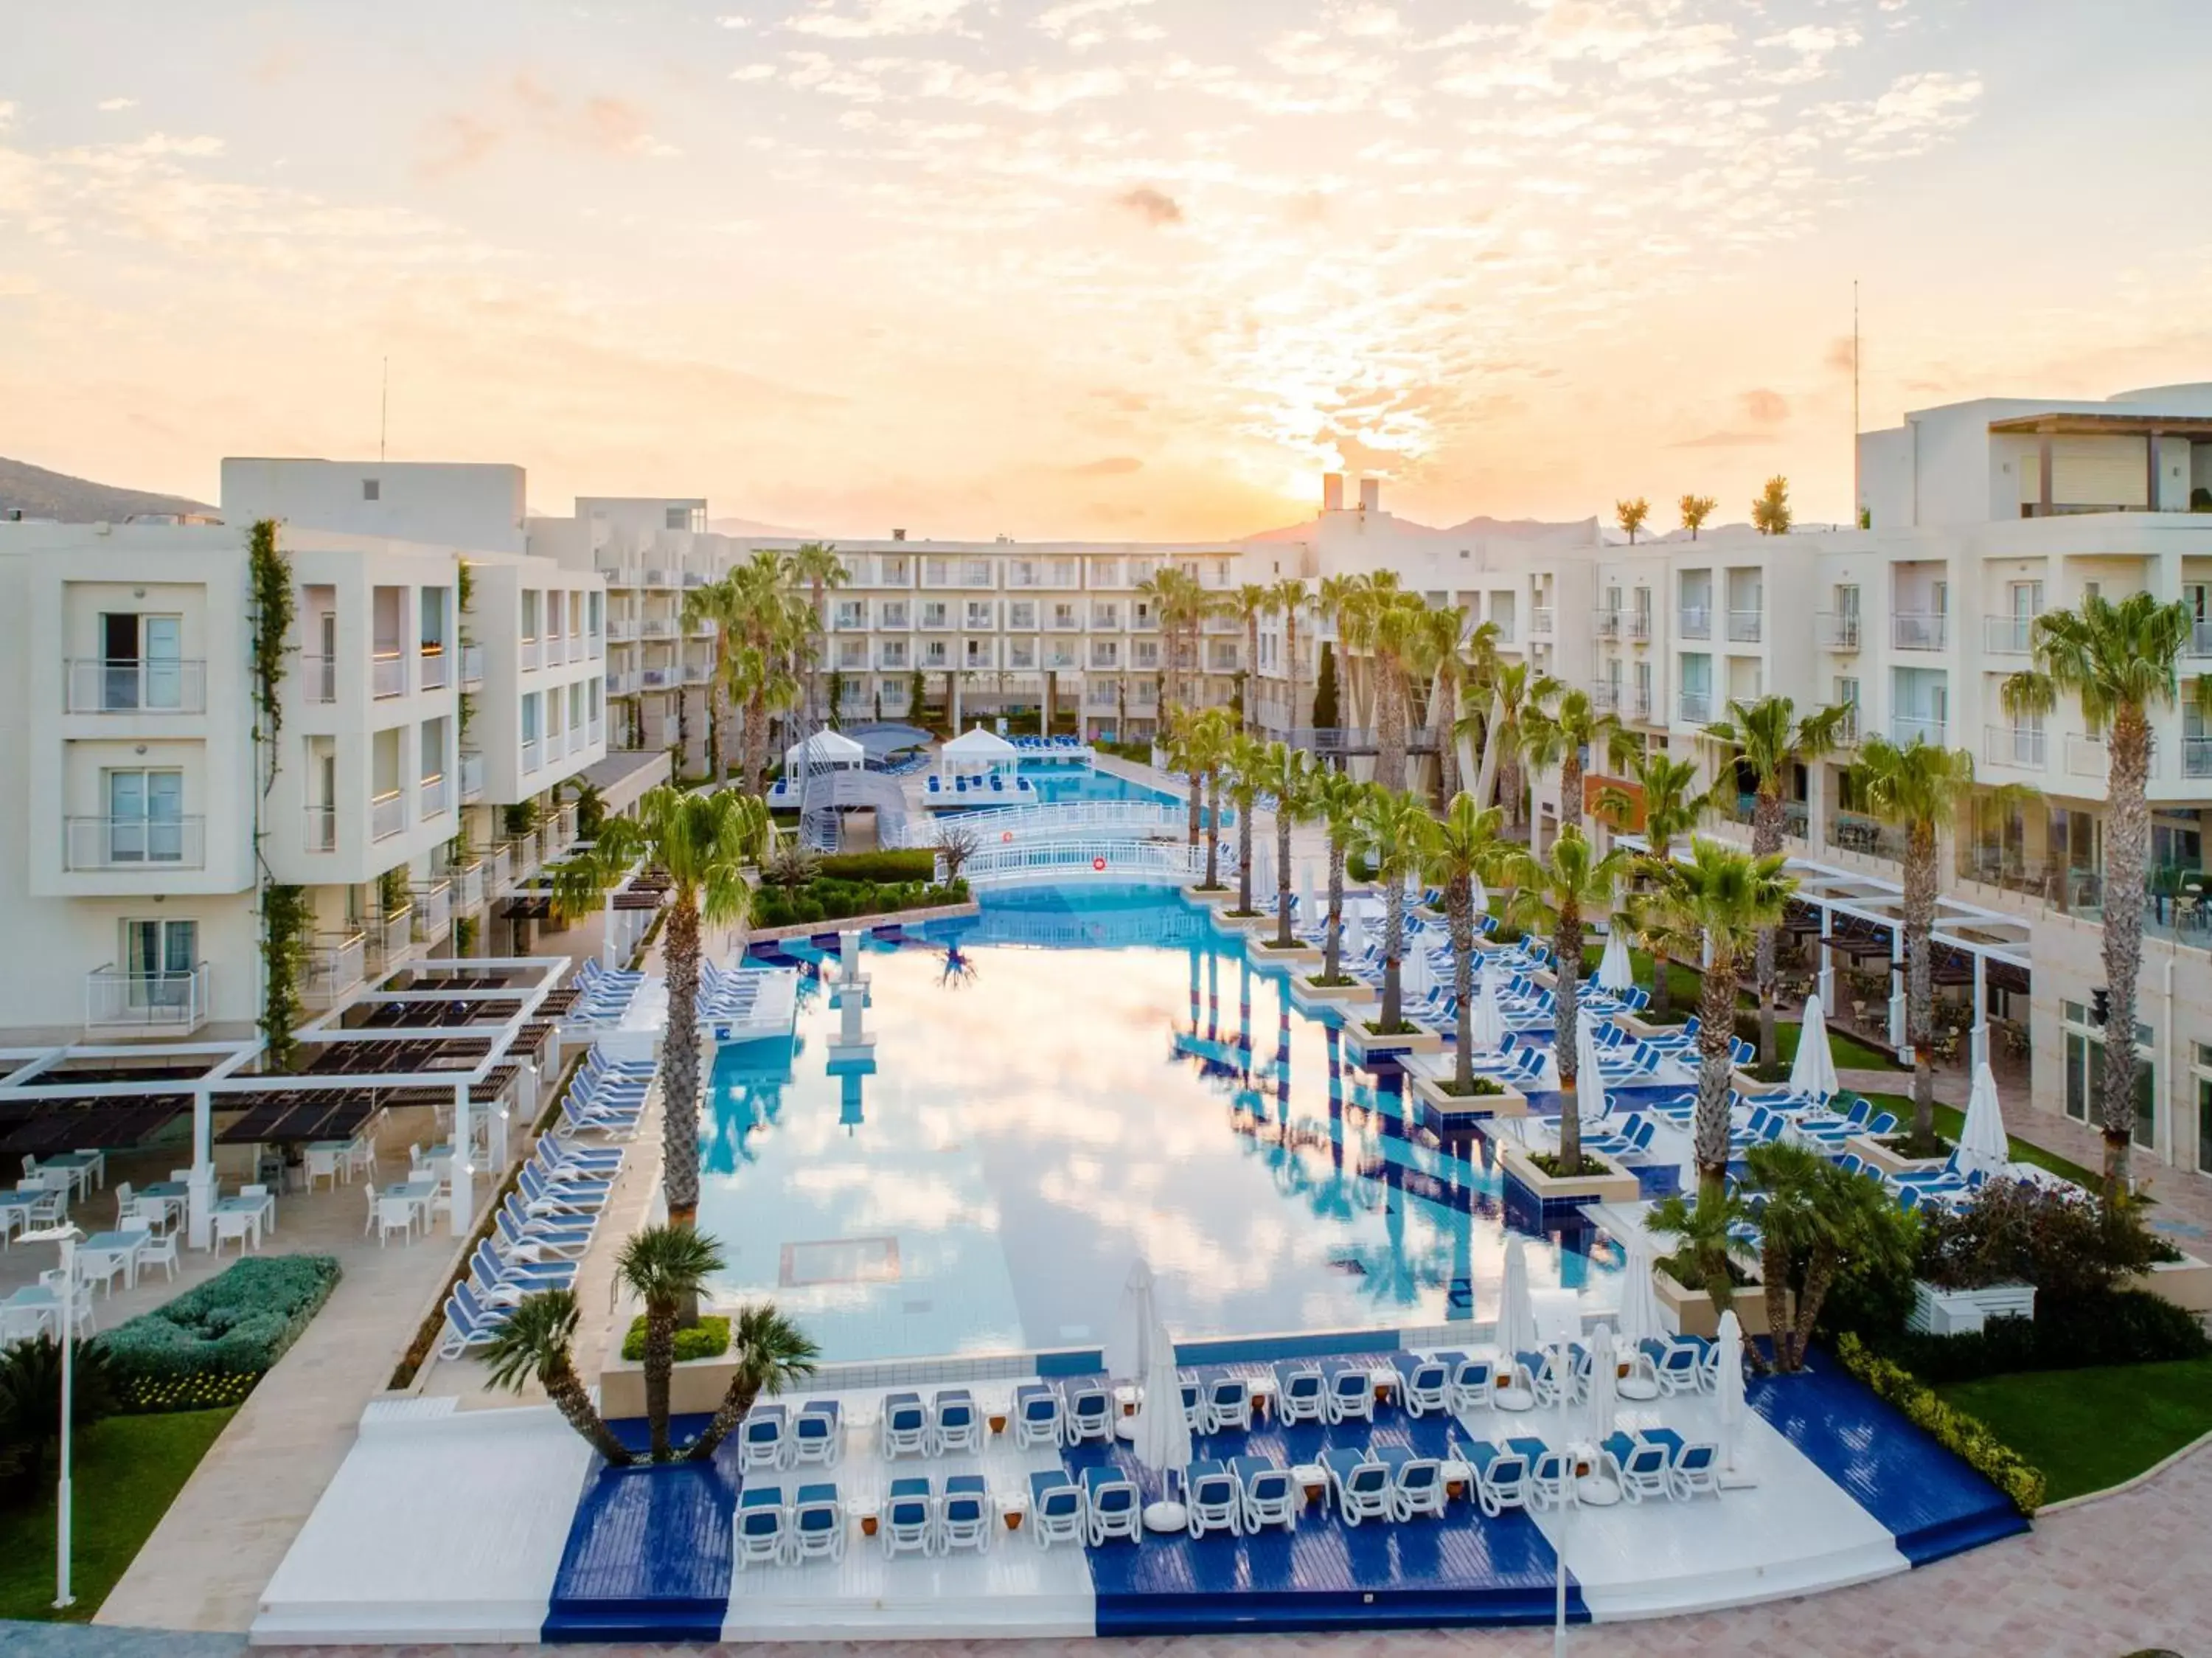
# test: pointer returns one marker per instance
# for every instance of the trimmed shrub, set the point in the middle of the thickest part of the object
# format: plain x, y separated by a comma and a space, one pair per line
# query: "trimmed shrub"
2128, 1327
918, 864
211, 1344
709, 1338
1963, 1435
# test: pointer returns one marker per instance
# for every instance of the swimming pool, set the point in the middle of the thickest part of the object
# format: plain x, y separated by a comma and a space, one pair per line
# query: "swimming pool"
1061, 781
1073, 1079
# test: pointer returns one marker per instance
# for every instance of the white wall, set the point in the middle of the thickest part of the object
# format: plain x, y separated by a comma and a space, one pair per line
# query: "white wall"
456, 504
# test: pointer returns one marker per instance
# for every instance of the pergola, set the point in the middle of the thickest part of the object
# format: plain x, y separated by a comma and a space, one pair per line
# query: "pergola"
476, 1062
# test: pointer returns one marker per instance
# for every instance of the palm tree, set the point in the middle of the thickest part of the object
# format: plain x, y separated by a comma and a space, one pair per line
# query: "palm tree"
716, 602
1919, 788
1206, 737
666, 1268
1394, 832
1772, 742
1348, 601
1290, 600
1437, 653
1177, 731
536, 1345
1673, 806
2120, 662
1829, 1219
1630, 516
1559, 888
773, 629
1292, 777
1244, 767
770, 1353
1466, 848
1696, 509
1701, 1230
817, 564
1516, 688
1727, 896
1248, 604
703, 843
1395, 639
1339, 801
1561, 735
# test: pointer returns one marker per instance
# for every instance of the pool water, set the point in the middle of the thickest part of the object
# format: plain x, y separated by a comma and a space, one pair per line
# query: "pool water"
1069, 1081
1063, 781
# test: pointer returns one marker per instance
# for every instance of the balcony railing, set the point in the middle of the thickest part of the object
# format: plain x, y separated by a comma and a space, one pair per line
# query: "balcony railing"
318, 679
1847, 729
1639, 624
387, 814
533, 655
472, 775
2197, 757
501, 877
1695, 622
1639, 704
1696, 707
1837, 629
434, 668
470, 880
177, 843
337, 962
163, 685
1920, 630
322, 829
700, 672
2086, 755
556, 649
472, 660
2024, 745
2200, 641
595, 646
532, 751
392, 939
621, 629
1539, 621
655, 679
171, 1002
1605, 695
434, 912
387, 673
1608, 623
1743, 626
433, 796
1905, 728
660, 578
2008, 635
658, 627
595, 733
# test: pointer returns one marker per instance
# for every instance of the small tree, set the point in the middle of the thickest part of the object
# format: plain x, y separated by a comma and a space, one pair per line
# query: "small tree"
1292, 776
1467, 848
1396, 831
665, 1267
1338, 799
770, 1353
1630, 516
1560, 888
1700, 1228
1769, 513
1696, 509
1244, 768
1324, 703
536, 1345
956, 845
1820, 1222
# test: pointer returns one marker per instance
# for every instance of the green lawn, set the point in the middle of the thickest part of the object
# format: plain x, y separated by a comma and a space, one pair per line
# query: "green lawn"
1849, 1053
2088, 1430
1950, 1120
1682, 982
128, 1471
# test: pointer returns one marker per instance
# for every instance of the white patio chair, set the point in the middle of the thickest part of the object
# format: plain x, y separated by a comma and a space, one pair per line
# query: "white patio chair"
369, 1225
104, 1272
322, 1163
268, 1204
122, 1200
159, 1249
231, 1224
395, 1215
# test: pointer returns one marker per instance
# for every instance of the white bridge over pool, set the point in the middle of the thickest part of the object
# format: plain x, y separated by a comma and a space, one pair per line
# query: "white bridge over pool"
1088, 819
1104, 858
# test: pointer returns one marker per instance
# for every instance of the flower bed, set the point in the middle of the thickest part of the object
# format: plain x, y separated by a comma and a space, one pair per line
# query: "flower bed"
210, 1344
1961, 1434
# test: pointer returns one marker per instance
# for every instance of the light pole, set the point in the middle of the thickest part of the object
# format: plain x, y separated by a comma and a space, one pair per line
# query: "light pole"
66, 1236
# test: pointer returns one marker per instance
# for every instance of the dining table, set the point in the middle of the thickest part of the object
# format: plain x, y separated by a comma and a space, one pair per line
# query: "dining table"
173, 1195
259, 1208
420, 1196
98, 1256
85, 1169
33, 1308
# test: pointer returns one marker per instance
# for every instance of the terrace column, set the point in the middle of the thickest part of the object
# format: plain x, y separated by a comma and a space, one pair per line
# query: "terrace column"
200, 1185
500, 1110
1897, 987
1981, 1031
1827, 966
462, 1204
1818, 781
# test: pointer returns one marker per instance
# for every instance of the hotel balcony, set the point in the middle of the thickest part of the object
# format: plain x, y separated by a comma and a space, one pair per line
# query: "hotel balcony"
1920, 630
391, 940
1905, 728
434, 912
1606, 622
1539, 621
623, 629
177, 843
388, 673
472, 777
161, 687
322, 829
434, 796
1837, 629
318, 679
472, 667
432, 674
2008, 635
532, 654
387, 814
2023, 746
119, 1004
1744, 627
469, 881
1694, 621
1605, 695
1639, 624
1696, 707
337, 964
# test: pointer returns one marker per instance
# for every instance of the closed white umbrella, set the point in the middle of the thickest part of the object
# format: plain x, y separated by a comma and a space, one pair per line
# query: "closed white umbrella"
1615, 971
1416, 978
1639, 1297
1488, 1025
1355, 931
1589, 1081
1161, 1436
1731, 1392
1517, 1313
1983, 1142
1814, 1071
1308, 914
1478, 897
1604, 1396
1129, 1338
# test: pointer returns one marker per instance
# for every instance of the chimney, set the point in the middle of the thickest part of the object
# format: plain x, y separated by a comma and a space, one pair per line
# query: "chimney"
1332, 491
898, 535
1371, 494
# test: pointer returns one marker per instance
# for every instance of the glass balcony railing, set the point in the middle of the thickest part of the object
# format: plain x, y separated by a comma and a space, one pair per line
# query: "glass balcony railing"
164, 685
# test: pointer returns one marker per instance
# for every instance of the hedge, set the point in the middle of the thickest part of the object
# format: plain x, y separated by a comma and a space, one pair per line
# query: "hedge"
2125, 1326
709, 1338
919, 864
829, 899
210, 1344
1963, 1435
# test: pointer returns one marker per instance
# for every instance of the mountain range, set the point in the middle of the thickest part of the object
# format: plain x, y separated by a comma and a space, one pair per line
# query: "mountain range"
35, 492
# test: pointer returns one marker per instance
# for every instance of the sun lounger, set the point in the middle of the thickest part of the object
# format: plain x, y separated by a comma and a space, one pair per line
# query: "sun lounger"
1474, 1381
1036, 1415
1213, 1499
1229, 1404
817, 1436
1361, 1483
957, 1427
818, 1524
1271, 1497
1416, 1482
1639, 1465
964, 1517
906, 1427
909, 1517
1425, 1384
1057, 1512
469, 1323
1501, 1477
761, 1527
1351, 1393
1111, 1497
1089, 1415
764, 1438
1551, 1473
1674, 1364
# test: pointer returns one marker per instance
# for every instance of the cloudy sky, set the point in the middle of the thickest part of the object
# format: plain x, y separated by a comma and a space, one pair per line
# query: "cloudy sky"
1118, 268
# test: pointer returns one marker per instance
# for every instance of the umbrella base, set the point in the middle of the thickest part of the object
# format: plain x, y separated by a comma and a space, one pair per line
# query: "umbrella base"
1166, 1517
1515, 1399
1635, 1388
1597, 1491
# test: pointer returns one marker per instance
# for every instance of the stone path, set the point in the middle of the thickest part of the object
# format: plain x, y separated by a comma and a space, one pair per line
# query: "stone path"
2096, 1581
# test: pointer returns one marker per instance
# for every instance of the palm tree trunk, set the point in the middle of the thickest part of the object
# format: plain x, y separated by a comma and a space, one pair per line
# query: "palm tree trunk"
1819, 1273
723, 714
1443, 715
1212, 829
1332, 947
1765, 840
1394, 945
566, 1389
755, 749
1774, 1268
1715, 1025
2127, 835
1251, 671
659, 1366
1490, 773
1389, 724
1567, 950
679, 1081
1282, 877
1571, 787
1244, 856
1920, 980
1291, 673
737, 1401
1460, 908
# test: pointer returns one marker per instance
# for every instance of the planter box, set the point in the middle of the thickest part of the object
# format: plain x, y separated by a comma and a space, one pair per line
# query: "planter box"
1693, 1309
1262, 949
1882, 1157
694, 1388
1601, 1181
1255, 923
1220, 900
1346, 995
2186, 1282
1957, 1312
1362, 1043
1446, 1111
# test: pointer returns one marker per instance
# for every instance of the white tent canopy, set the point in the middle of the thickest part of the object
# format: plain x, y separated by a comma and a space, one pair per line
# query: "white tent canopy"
825, 748
977, 750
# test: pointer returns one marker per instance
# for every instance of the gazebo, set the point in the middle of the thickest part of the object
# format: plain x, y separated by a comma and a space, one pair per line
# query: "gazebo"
825, 751
977, 752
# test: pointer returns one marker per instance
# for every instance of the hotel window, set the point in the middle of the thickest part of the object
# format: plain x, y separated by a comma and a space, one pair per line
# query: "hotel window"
1105, 572
678, 518
1022, 573
933, 614
983, 613
1063, 573
372, 489
975, 573
1021, 613
2085, 1071
143, 662
1105, 615
893, 614
896, 574
936, 572
145, 816
1140, 570
850, 613
856, 567
1063, 615
159, 957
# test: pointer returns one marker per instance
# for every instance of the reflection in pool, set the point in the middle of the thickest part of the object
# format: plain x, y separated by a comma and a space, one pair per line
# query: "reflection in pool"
1075, 1078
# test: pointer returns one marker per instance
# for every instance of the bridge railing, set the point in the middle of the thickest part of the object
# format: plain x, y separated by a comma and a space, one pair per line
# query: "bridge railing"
1106, 818
1103, 858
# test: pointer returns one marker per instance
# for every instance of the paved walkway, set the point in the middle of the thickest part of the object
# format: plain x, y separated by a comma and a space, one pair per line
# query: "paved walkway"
2110, 1578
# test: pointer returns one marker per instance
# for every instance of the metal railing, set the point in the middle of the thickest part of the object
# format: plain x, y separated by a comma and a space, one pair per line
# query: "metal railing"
1118, 859
501, 877
1605, 694
145, 843
1837, 629
1695, 707
434, 912
469, 887
2008, 635
1920, 630
1608, 623
655, 679
171, 1002
318, 679
1904, 728
621, 629
392, 939
387, 673
1639, 624
472, 664
1639, 704
322, 829
595, 646
660, 578
595, 733
162, 686
472, 775
533, 751
658, 627
556, 649
337, 962
2086, 755
1694, 621
2197, 757
1540, 619
2027, 746
434, 667
433, 794
2200, 640
387, 814
1744, 626
1847, 730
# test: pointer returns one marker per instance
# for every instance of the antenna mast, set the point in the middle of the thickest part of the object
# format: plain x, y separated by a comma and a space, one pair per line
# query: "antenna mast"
1858, 506
384, 404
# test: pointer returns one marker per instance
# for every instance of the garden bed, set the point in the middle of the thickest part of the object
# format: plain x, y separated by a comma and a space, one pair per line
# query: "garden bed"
209, 1345
1352, 991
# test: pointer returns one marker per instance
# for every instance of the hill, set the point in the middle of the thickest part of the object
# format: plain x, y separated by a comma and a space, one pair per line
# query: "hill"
37, 493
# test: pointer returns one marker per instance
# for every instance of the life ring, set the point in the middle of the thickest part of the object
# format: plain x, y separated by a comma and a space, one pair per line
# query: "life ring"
1006, 836
1098, 864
